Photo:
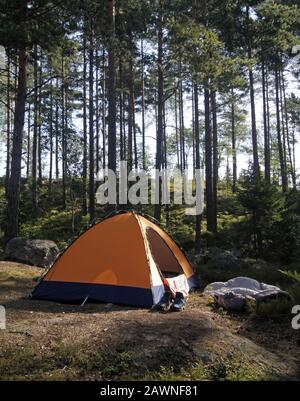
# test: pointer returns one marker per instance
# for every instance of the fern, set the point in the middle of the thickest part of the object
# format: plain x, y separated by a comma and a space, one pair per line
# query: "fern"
293, 275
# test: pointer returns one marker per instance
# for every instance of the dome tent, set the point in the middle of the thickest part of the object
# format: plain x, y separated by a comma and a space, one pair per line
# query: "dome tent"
121, 260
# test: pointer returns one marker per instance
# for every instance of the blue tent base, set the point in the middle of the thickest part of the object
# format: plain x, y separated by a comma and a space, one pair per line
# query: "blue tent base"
67, 292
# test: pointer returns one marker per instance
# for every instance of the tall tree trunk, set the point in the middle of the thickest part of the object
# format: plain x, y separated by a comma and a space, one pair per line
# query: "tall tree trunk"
51, 138
121, 105
253, 123
268, 115
35, 133
284, 141
85, 145
252, 101
176, 131
197, 163
266, 128
208, 160
134, 137
13, 195
56, 132
131, 108
233, 145
103, 110
97, 115
193, 132
8, 123
28, 141
112, 109
91, 134
181, 119
143, 108
63, 138
280, 148
215, 159
292, 164
130, 121
160, 106
40, 78
165, 164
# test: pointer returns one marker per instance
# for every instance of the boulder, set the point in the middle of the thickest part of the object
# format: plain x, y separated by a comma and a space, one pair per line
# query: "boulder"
36, 252
220, 257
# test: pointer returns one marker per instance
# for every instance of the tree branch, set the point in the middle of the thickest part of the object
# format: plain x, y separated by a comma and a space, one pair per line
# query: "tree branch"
171, 92
7, 106
41, 85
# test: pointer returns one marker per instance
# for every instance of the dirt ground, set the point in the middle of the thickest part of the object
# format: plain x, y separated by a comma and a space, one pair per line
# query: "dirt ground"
51, 341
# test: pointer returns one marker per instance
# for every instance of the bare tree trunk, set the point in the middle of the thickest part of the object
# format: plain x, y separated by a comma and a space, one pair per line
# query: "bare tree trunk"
284, 147
233, 145
181, 119
280, 149
292, 165
63, 139
215, 159
193, 131
28, 141
56, 133
8, 128
253, 112
132, 106
160, 105
197, 163
208, 160
266, 128
91, 134
176, 131
13, 195
130, 117
121, 105
165, 161
268, 115
103, 110
40, 79
35, 133
85, 144
143, 108
97, 115
112, 109
51, 138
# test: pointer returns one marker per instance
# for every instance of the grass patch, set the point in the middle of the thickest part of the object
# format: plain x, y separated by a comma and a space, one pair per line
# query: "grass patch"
63, 363
233, 367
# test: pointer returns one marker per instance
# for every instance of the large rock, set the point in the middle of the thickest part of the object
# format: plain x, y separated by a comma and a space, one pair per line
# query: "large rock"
42, 253
220, 257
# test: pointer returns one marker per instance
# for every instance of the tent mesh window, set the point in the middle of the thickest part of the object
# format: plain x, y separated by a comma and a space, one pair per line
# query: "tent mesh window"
163, 257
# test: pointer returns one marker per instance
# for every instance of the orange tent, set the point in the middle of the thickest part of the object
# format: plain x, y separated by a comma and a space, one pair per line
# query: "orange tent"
121, 260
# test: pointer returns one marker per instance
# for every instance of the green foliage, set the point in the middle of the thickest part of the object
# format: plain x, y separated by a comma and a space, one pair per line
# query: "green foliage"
65, 362
295, 289
236, 369
275, 308
264, 202
285, 233
293, 275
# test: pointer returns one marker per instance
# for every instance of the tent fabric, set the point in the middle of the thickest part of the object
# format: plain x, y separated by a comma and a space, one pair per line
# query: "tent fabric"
178, 284
116, 261
233, 294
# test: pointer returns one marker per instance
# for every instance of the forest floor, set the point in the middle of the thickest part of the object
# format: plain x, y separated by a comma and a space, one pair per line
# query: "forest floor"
51, 341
